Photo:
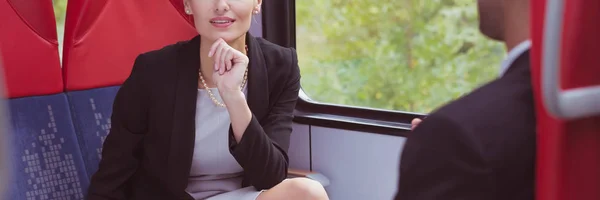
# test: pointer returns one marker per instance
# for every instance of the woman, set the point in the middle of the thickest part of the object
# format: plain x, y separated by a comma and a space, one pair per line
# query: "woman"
206, 118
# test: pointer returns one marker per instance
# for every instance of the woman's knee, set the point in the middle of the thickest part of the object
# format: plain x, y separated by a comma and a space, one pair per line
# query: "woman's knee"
304, 188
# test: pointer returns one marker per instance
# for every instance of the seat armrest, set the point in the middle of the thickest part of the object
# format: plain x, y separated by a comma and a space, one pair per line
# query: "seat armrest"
295, 173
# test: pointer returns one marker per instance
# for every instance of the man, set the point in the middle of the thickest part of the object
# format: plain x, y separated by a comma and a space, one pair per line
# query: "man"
481, 146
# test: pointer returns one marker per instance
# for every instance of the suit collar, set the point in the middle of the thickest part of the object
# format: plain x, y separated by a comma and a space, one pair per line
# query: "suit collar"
183, 130
514, 54
521, 62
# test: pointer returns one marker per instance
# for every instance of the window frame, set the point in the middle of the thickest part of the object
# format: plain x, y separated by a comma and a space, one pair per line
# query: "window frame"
279, 27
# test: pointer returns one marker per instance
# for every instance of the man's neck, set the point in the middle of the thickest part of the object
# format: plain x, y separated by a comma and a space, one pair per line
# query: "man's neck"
512, 42
516, 23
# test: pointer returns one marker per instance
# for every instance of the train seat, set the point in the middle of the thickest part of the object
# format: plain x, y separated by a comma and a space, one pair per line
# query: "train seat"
91, 110
565, 59
45, 156
102, 39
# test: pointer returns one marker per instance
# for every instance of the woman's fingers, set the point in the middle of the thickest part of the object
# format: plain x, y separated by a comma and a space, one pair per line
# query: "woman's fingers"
223, 56
228, 59
215, 53
214, 46
221, 59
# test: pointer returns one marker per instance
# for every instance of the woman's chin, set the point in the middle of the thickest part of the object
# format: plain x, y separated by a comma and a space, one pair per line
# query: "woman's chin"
227, 36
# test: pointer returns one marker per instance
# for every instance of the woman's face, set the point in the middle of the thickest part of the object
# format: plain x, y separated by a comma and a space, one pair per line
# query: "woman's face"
227, 19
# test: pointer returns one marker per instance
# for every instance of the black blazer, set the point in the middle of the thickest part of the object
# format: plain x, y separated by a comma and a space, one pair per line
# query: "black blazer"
148, 153
479, 147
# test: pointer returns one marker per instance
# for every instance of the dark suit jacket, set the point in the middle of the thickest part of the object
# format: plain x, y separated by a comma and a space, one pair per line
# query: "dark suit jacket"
148, 153
479, 147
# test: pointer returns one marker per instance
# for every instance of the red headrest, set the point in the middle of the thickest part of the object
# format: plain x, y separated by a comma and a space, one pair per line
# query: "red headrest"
29, 48
581, 43
568, 150
103, 37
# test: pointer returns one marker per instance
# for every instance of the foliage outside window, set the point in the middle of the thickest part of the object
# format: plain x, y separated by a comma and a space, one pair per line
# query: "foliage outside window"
409, 55
60, 12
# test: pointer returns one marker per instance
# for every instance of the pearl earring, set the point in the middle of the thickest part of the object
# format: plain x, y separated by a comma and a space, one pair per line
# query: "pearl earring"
188, 11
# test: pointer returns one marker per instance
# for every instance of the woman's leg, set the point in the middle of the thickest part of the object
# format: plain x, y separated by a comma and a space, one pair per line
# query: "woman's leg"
295, 189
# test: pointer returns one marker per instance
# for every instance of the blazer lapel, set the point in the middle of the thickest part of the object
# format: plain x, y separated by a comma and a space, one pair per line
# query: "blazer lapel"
258, 82
521, 62
184, 114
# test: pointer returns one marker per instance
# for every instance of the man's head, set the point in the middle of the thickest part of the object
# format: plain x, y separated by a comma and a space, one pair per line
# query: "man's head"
491, 18
504, 20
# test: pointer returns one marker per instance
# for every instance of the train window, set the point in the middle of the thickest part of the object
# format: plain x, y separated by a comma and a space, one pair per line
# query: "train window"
60, 11
410, 55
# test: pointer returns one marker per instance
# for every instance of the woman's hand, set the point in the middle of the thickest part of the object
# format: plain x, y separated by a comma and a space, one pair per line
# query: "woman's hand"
230, 66
229, 69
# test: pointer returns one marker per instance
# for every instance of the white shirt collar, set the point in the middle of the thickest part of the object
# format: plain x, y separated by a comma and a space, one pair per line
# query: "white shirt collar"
514, 54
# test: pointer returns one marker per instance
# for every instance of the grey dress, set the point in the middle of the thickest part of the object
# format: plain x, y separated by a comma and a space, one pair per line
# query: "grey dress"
215, 174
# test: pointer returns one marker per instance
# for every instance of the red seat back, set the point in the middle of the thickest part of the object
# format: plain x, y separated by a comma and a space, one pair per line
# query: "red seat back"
568, 150
103, 37
29, 48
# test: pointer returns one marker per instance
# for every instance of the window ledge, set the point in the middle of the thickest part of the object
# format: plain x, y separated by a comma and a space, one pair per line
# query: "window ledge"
353, 118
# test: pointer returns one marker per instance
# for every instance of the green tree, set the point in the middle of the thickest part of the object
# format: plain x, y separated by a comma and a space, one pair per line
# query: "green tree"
60, 11
409, 55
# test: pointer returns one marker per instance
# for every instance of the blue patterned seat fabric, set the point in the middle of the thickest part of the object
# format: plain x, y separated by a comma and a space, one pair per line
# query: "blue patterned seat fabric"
91, 115
45, 157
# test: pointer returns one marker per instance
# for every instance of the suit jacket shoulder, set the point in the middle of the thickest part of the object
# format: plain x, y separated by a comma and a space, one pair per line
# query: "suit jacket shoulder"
494, 128
504, 105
